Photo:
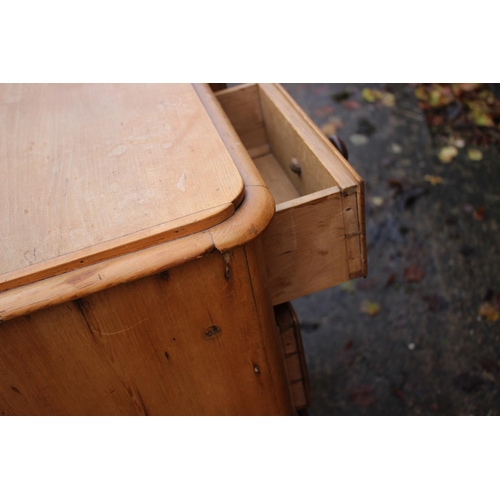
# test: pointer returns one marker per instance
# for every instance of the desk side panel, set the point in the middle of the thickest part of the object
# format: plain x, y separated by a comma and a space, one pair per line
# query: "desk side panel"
50, 364
196, 340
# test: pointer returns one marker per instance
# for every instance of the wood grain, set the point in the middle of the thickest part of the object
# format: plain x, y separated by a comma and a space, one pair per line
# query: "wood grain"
248, 222
317, 237
305, 246
50, 364
91, 171
305, 141
196, 340
275, 178
81, 282
243, 108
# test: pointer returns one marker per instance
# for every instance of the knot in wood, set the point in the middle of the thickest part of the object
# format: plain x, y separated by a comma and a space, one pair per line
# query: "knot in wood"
212, 332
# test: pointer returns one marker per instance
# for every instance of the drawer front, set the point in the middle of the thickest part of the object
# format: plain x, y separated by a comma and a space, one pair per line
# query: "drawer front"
317, 237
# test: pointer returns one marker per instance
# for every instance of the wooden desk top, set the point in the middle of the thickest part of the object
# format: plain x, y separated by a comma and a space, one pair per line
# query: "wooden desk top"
89, 172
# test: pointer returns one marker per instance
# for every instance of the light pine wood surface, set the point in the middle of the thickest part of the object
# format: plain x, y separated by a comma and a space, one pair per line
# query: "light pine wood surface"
181, 323
317, 237
252, 216
199, 339
90, 172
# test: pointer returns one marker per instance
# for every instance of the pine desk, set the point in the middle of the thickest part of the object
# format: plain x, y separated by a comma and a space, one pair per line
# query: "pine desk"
147, 231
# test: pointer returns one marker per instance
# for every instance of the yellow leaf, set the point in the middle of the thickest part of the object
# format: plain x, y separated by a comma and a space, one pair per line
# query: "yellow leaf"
368, 95
348, 286
371, 95
481, 119
447, 154
421, 94
370, 308
474, 154
378, 201
489, 312
388, 100
440, 96
434, 179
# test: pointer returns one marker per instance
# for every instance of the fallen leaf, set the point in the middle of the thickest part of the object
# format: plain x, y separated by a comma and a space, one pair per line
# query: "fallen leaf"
371, 95
474, 154
489, 311
388, 100
434, 179
435, 95
410, 197
369, 307
479, 213
413, 274
459, 143
377, 201
447, 153
390, 279
348, 286
421, 93
341, 96
351, 104
323, 111
365, 127
375, 95
395, 184
396, 148
466, 87
482, 119
362, 395
440, 96
358, 139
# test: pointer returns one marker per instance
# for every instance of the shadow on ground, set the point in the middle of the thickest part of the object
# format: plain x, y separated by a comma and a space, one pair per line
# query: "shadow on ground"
409, 339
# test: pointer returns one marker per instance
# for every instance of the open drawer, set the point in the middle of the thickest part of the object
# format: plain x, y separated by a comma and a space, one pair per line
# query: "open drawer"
317, 237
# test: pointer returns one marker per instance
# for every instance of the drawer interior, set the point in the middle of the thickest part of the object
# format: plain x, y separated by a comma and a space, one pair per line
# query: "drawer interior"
284, 159
316, 239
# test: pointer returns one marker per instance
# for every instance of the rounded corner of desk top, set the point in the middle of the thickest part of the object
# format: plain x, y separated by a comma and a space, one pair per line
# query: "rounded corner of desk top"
94, 171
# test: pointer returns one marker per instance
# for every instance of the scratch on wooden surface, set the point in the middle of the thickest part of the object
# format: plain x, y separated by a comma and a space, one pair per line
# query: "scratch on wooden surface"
120, 331
181, 183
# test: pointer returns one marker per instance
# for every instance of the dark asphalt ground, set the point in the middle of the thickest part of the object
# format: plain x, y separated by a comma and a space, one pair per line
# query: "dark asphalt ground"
428, 351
